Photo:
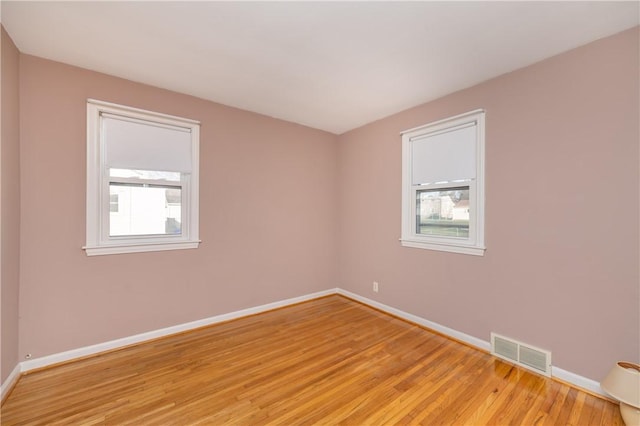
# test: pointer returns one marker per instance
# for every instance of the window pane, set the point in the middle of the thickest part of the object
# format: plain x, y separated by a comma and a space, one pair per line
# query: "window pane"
145, 174
443, 212
113, 203
145, 210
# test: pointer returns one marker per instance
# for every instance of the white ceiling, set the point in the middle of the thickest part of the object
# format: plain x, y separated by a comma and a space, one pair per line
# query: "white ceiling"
330, 65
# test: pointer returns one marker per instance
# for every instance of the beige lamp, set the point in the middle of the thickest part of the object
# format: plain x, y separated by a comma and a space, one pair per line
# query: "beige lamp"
623, 383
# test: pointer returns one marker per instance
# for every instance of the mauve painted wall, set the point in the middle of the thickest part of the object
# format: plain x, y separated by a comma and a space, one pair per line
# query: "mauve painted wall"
10, 203
561, 266
267, 216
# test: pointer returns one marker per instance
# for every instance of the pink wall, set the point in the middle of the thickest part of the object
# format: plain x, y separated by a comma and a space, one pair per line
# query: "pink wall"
267, 217
561, 267
10, 205
287, 210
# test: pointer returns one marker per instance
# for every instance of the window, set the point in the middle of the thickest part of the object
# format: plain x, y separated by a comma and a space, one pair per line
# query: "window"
142, 180
443, 185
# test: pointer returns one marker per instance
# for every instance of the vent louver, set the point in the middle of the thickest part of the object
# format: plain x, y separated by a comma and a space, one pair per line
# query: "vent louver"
524, 355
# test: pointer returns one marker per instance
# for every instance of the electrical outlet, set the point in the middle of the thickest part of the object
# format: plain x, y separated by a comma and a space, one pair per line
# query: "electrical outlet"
375, 286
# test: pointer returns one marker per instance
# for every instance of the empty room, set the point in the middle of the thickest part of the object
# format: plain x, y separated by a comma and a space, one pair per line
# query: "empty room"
296, 213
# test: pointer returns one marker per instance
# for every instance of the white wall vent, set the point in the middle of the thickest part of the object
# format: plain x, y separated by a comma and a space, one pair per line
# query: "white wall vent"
519, 353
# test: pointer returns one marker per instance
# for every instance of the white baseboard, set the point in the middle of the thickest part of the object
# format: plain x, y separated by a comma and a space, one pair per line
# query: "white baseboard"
458, 335
11, 380
25, 366
564, 375
578, 381
45, 361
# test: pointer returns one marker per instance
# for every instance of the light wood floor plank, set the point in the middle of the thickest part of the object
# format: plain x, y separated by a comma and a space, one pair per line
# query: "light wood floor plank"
327, 361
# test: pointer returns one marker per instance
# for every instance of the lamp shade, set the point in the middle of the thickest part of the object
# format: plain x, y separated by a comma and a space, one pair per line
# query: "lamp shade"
623, 383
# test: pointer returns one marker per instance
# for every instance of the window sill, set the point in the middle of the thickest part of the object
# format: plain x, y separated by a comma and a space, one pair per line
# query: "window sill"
139, 248
475, 251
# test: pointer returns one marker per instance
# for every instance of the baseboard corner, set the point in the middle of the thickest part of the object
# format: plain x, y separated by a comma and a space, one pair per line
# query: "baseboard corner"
10, 382
559, 374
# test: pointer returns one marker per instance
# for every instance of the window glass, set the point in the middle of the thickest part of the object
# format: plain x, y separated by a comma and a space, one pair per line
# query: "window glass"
145, 210
443, 212
113, 203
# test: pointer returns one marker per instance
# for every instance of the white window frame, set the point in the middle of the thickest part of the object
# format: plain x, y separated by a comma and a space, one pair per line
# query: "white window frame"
473, 245
98, 241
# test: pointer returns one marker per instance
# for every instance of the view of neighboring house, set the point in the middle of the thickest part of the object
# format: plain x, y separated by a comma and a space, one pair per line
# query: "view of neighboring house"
444, 213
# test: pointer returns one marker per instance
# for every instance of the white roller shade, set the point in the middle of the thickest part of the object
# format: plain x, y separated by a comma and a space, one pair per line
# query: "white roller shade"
143, 145
444, 156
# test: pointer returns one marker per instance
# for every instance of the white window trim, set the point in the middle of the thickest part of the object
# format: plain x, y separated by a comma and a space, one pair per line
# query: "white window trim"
410, 238
97, 240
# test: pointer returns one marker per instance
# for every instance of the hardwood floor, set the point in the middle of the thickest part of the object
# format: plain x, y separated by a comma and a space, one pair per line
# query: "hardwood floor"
328, 361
